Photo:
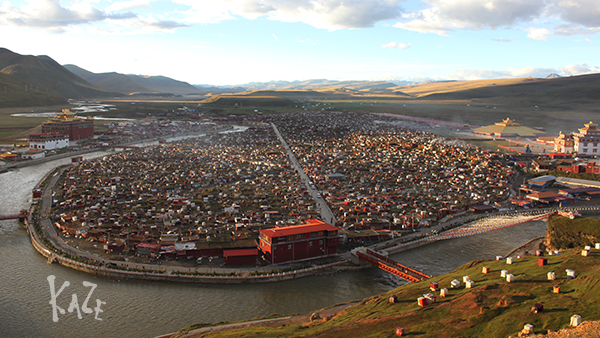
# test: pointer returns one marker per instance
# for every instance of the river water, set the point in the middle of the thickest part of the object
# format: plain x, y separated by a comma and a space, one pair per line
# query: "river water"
148, 309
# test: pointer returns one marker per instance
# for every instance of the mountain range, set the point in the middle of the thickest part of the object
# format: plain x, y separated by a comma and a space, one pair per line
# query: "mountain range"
135, 84
27, 80
43, 74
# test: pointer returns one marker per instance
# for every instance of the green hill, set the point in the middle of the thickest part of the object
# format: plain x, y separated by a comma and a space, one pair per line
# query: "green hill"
494, 307
14, 94
564, 233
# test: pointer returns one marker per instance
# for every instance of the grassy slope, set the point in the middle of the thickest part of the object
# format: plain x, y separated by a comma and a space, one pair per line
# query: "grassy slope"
584, 88
247, 101
459, 86
16, 96
565, 233
493, 308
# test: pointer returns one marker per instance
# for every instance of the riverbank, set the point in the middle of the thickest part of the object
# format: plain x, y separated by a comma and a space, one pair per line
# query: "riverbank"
49, 244
55, 249
493, 307
527, 249
303, 319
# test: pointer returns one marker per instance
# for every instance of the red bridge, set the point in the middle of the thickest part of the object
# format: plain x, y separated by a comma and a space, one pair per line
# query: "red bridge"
392, 266
21, 215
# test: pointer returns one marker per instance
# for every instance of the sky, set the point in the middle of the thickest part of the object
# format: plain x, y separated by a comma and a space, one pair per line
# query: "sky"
231, 42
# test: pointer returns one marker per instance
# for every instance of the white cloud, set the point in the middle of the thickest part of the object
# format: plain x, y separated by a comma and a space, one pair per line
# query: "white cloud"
327, 14
444, 16
578, 69
502, 40
570, 30
127, 5
570, 17
51, 15
579, 12
116, 19
512, 72
538, 33
395, 45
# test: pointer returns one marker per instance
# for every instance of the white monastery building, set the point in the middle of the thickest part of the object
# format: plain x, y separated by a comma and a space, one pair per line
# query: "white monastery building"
587, 140
48, 141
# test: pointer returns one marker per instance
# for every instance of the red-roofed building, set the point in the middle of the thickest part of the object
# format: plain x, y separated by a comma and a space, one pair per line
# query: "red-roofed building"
148, 249
313, 239
69, 124
240, 257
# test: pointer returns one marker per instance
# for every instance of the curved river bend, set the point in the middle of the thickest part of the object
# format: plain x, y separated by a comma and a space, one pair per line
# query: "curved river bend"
148, 309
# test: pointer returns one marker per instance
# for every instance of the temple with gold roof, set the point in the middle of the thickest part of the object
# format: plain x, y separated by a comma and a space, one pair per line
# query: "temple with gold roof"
67, 123
508, 128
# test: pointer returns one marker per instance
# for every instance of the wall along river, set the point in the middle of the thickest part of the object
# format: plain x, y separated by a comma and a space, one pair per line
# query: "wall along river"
136, 308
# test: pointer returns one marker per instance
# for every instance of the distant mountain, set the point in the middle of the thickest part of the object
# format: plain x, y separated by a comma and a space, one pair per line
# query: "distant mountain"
109, 81
163, 84
220, 89
530, 91
133, 84
45, 74
319, 84
552, 76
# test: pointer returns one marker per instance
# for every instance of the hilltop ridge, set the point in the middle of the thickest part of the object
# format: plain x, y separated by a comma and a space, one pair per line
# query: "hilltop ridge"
44, 74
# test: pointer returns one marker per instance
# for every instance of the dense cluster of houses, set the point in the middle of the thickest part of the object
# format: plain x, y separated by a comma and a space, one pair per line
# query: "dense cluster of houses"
188, 198
564, 190
235, 194
377, 176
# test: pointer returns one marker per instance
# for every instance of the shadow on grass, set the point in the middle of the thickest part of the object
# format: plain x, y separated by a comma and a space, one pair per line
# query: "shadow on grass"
554, 310
414, 334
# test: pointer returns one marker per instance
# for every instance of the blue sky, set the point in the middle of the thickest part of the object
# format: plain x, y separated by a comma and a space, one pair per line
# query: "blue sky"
229, 42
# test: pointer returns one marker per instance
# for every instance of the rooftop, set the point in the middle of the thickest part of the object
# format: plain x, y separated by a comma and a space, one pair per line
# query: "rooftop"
311, 226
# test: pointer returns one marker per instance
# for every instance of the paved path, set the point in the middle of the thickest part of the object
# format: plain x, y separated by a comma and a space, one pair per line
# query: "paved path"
323, 207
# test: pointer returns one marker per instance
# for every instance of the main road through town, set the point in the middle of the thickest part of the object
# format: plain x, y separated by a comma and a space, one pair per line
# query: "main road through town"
323, 207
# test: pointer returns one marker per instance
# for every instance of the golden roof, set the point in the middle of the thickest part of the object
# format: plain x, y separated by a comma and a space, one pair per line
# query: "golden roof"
589, 127
508, 127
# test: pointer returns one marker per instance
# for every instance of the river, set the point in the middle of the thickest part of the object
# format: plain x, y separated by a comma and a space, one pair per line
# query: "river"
148, 309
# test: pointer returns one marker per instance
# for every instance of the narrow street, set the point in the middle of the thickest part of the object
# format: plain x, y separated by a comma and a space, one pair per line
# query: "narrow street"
326, 213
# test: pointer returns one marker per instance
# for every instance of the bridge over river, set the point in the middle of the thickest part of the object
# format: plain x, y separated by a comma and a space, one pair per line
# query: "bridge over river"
391, 266
485, 224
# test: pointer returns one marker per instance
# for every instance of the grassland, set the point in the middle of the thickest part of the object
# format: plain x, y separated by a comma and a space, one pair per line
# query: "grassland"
493, 308
14, 126
565, 233
14, 94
